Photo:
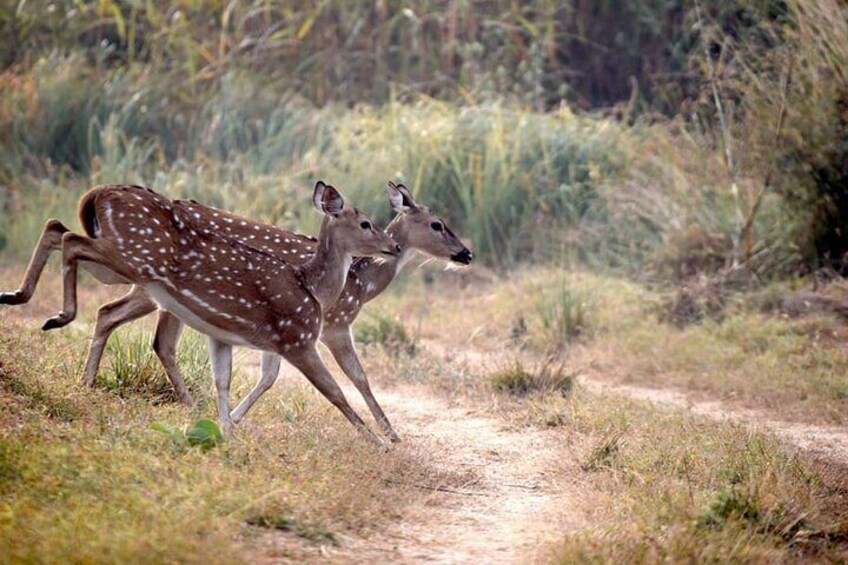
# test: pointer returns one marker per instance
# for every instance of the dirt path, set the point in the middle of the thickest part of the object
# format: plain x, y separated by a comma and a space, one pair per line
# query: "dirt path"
507, 514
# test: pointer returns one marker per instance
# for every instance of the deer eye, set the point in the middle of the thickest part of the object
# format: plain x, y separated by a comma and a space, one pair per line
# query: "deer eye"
366, 225
437, 226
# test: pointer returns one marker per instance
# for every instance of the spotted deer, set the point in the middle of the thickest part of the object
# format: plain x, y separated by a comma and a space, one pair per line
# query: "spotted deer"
184, 258
414, 228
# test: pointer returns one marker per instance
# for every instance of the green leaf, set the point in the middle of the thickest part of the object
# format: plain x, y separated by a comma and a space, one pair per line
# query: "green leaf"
175, 434
205, 434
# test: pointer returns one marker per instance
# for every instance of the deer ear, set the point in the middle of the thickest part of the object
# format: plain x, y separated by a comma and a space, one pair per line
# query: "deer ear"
400, 197
327, 199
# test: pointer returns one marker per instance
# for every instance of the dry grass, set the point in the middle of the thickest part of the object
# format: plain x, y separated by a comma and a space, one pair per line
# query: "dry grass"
684, 489
668, 486
83, 477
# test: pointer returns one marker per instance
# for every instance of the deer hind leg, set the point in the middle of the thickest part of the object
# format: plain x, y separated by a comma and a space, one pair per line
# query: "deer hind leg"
50, 241
132, 306
76, 248
270, 371
221, 355
168, 331
340, 343
308, 362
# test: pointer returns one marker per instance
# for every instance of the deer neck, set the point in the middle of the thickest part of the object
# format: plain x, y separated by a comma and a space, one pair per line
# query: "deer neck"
326, 272
375, 276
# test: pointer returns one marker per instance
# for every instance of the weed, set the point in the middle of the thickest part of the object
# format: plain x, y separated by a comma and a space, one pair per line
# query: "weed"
604, 454
727, 505
288, 523
547, 377
563, 314
386, 331
135, 370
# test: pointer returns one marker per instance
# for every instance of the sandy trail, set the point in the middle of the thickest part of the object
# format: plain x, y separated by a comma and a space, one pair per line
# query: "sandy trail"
514, 507
516, 502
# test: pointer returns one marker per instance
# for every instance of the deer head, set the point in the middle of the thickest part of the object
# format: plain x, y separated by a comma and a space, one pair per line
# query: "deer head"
423, 230
352, 231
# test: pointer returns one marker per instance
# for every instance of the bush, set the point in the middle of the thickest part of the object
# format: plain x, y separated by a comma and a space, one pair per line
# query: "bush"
385, 331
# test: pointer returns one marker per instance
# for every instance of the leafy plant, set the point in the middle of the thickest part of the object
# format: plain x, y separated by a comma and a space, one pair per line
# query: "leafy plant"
204, 434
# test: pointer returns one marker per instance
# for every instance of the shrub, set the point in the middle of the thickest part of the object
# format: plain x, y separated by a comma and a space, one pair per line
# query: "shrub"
385, 331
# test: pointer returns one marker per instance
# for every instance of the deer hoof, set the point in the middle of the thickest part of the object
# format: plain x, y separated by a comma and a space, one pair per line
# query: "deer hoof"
58, 321
394, 438
12, 298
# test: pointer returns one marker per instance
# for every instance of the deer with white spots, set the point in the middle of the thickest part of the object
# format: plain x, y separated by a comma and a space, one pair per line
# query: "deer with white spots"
182, 256
414, 228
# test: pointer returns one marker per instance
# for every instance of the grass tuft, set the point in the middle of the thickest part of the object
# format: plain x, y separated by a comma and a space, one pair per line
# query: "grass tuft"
135, 370
545, 378
564, 316
386, 331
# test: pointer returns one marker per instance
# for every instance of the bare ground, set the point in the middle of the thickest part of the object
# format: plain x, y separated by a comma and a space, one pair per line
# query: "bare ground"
517, 498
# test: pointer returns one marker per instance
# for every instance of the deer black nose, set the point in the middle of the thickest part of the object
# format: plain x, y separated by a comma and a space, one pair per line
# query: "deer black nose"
397, 248
463, 257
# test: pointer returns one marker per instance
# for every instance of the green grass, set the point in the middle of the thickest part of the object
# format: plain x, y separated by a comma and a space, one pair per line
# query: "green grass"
378, 328
132, 369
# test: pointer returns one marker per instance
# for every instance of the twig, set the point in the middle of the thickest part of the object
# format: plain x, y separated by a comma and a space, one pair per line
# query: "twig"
747, 232
451, 491
725, 131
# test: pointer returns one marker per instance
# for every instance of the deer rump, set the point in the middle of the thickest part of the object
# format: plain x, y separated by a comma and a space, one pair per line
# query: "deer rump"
186, 265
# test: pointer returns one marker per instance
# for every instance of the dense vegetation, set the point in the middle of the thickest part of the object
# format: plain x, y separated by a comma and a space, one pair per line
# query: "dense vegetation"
666, 138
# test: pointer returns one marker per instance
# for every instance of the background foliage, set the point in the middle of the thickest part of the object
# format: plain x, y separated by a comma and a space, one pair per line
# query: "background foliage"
672, 139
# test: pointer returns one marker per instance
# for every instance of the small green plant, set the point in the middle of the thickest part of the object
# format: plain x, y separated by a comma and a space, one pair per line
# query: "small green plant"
385, 331
727, 505
563, 316
546, 377
605, 453
204, 434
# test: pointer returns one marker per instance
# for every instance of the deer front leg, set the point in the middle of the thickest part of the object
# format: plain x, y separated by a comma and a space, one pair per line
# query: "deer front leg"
132, 306
76, 248
168, 331
50, 241
270, 370
340, 343
308, 362
221, 355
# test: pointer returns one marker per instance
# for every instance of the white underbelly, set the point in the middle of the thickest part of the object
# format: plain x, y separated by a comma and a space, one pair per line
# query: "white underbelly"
160, 295
102, 273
